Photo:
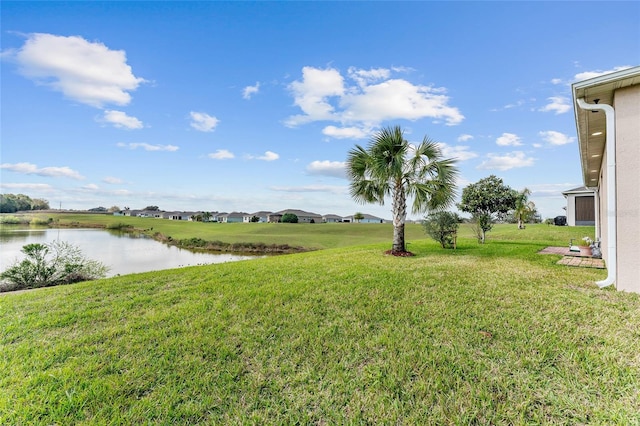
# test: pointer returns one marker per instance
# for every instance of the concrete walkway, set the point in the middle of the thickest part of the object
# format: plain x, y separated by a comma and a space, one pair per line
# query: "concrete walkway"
571, 258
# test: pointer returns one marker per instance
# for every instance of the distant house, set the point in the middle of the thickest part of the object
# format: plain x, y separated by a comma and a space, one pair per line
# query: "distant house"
177, 215
607, 113
217, 216
147, 213
303, 217
263, 216
366, 218
581, 210
274, 218
332, 218
233, 217
209, 216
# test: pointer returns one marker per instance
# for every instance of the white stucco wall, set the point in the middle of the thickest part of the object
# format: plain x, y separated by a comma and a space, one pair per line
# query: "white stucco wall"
627, 106
571, 209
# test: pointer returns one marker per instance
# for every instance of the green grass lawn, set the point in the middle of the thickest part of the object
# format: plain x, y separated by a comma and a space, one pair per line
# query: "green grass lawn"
493, 334
311, 236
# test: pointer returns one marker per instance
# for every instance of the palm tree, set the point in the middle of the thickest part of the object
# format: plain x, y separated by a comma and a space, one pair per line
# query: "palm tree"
524, 208
391, 166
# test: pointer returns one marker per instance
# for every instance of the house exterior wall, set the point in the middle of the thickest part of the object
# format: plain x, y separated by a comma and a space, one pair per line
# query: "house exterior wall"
627, 107
371, 220
571, 210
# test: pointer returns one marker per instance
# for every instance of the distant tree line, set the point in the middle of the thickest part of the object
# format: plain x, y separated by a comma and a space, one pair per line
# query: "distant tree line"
11, 203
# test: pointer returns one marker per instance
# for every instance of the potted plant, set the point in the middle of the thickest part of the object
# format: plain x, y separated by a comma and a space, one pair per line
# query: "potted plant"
585, 246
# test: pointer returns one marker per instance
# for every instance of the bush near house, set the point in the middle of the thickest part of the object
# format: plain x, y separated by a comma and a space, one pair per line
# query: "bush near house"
289, 218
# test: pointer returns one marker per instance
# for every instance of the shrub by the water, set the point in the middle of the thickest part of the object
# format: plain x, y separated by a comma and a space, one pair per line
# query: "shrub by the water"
50, 264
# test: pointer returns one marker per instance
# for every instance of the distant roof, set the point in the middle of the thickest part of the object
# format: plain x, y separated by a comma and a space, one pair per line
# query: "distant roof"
577, 190
298, 212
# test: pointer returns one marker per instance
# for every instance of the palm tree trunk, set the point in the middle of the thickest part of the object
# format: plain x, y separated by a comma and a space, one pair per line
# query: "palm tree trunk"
399, 216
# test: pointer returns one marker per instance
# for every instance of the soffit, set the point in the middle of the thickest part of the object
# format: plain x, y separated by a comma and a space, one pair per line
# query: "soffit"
591, 125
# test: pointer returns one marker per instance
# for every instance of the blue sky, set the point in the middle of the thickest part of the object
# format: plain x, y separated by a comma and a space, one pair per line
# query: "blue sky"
243, 106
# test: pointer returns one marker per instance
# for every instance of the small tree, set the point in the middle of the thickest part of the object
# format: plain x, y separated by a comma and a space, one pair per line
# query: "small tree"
255, 219
486, 198
52, 264
524, 209
392, 167
442, 227
289, 218
358, 217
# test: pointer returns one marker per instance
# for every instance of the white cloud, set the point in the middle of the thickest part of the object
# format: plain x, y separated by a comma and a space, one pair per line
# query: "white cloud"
148, 147
222, 154
509, 139
398, 99
122, 120
334, 189
558, 104
592, 74
550, 190
203, 122
459, 152
32, 169
464, 138
323, 95
363, 77
556, 138
91, 187
112, 180
312, 93
518, 103
87, 72
327, 168
249, 91
345, 132
514, 160
268, 156
556, 81
43, 187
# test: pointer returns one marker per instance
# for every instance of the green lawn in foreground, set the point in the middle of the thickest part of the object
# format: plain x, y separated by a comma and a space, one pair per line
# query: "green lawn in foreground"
493, 334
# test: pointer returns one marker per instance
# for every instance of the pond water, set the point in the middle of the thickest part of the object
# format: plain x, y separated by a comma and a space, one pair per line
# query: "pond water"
122, 252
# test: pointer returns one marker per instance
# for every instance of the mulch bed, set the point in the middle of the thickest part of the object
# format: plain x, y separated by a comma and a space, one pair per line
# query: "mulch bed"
399, 253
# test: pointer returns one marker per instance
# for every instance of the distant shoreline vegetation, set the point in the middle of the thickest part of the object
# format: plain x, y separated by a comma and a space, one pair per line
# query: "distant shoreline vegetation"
200, 244
193, 243
11, 203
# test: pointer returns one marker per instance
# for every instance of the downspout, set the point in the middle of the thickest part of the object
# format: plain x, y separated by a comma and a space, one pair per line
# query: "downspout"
611, 213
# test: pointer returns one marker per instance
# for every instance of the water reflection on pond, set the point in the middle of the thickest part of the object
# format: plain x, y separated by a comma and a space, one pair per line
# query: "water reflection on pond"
123, 252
